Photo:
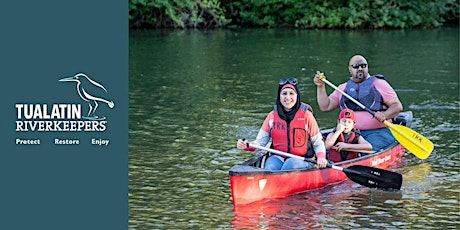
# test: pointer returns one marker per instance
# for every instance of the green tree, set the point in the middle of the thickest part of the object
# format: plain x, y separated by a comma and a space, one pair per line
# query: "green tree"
354, 14
176, 13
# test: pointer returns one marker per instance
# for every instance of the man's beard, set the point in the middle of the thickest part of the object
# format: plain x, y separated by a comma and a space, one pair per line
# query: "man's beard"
360, 76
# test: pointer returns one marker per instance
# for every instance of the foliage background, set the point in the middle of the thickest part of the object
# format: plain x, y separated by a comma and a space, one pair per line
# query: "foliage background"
352, 14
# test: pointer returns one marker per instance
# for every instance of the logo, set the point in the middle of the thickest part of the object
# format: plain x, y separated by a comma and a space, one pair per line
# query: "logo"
381, 160
92, 92
262, 183
67, 117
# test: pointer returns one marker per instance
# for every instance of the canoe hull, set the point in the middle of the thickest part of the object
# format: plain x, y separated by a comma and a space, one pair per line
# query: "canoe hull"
250, 184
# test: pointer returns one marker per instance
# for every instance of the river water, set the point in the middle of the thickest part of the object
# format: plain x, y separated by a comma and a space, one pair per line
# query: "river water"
192, 94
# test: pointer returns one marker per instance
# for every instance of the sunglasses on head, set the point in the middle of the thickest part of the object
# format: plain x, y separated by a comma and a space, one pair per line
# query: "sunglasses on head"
292, 81
356, 66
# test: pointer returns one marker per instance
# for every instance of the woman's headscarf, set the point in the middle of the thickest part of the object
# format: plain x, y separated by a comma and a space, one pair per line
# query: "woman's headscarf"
287, 115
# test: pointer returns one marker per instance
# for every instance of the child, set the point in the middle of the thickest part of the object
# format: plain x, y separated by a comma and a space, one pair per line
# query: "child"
344, 143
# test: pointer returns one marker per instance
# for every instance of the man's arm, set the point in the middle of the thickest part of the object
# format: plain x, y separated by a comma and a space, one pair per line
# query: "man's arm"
394, 108
391, 100
325, 103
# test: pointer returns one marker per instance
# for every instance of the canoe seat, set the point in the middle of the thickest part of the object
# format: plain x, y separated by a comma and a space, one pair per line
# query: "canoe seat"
404, 118
263, 159
265, 155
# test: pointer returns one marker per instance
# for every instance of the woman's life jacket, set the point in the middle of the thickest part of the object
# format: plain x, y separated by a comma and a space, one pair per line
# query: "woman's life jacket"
292, 137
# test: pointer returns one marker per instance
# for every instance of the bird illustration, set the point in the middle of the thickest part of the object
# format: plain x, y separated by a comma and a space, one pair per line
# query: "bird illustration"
90, 91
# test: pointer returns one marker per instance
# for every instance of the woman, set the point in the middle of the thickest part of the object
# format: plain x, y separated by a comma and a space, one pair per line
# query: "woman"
291, 126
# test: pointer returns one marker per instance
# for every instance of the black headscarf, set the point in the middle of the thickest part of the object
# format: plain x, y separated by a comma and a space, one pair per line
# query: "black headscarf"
287, 115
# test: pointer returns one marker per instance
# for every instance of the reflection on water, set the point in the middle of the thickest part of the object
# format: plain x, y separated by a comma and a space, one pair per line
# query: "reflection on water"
194, 93
431, 196
345, 205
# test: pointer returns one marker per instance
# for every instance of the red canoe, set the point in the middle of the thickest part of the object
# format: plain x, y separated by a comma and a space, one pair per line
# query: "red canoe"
250, 183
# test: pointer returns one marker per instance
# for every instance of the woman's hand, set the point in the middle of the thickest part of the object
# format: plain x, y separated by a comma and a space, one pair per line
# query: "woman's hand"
242, 144
321, 162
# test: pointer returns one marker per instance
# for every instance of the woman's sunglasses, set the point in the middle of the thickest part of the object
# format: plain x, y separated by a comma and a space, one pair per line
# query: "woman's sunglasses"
356, 66
292, 81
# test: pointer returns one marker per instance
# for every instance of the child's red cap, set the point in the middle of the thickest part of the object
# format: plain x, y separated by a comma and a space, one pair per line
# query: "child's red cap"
347, 113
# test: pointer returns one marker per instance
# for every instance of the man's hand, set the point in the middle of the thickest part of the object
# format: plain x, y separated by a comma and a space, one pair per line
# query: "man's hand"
380, 116
317, 80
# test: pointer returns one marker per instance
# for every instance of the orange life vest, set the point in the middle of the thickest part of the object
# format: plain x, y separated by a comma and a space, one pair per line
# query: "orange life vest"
336, 156
293, 137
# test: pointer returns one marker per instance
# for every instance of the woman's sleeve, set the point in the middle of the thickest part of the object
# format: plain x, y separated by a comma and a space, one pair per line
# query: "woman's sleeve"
263, 137
316, 136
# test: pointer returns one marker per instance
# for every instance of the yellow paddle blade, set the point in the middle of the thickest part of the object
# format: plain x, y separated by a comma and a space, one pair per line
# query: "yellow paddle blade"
414, 142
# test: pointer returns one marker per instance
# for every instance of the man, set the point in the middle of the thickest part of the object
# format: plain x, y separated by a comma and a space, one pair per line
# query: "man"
372, 91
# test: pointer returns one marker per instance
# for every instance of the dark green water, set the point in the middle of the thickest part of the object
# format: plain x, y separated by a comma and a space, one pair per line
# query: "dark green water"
194, 93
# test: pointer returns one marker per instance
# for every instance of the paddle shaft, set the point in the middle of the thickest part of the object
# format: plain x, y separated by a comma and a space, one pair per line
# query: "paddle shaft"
291, 155
419, 145
352, 99
364, 175
348, 96
355, 150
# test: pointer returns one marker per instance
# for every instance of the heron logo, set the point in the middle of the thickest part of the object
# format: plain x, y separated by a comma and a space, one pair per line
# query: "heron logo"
66, 117
91, 92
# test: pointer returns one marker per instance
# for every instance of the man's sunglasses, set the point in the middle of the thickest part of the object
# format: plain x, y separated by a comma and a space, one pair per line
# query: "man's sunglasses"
292, 81
356, 66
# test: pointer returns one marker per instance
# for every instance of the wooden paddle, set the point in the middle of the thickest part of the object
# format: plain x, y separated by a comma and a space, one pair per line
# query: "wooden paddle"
355, 150
416, 143
363, 175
